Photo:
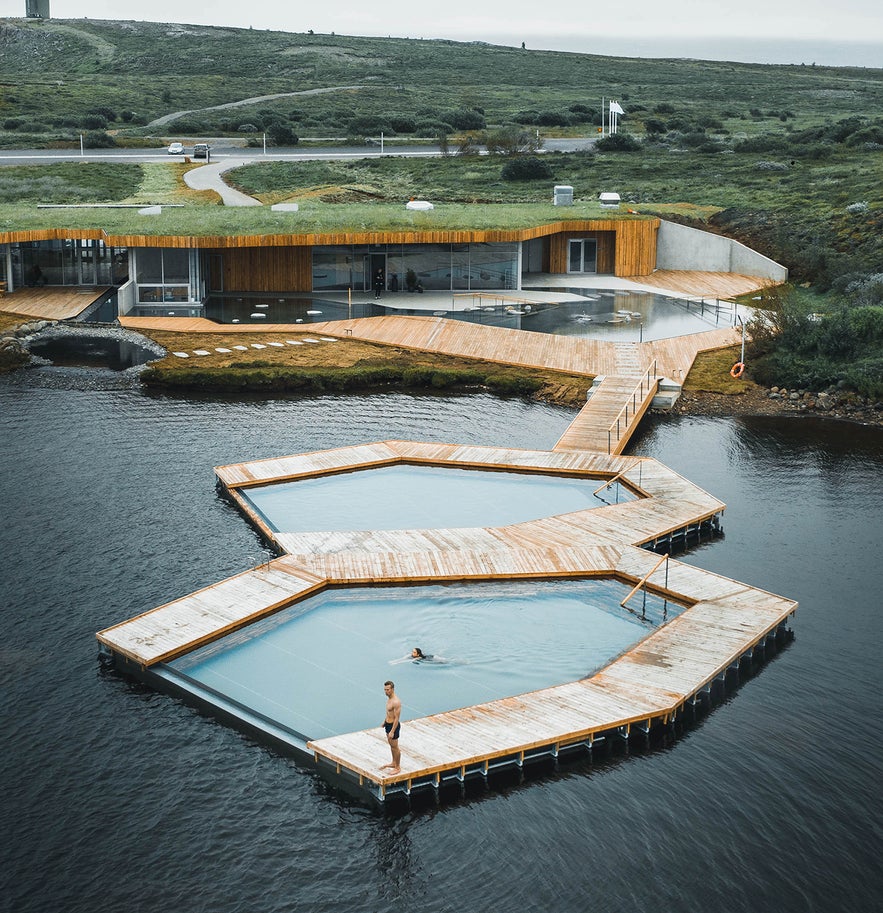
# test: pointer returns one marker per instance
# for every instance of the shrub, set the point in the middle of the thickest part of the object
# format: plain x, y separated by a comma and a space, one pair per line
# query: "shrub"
554, 119
366, 125
246, 128
654, 125
468, 143
403, 124
768, 142
98, 139
618, 142
282, 135
466, 119
512, 141
108, 114
433, 128
525, 168
94, 122
664, 108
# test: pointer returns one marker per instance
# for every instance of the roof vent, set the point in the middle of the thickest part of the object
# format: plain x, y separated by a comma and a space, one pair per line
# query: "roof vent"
563, 195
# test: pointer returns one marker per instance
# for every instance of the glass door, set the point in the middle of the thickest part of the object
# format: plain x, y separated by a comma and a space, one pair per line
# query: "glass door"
582, 255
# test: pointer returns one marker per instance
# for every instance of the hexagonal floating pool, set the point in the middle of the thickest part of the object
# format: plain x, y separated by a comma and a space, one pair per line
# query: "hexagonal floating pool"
407, 496
317, 668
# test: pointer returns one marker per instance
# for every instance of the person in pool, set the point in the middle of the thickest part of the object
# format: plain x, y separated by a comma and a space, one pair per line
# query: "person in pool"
420, 657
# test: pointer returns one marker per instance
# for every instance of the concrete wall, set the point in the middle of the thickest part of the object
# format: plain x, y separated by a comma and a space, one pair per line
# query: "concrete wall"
126, 298
681, 247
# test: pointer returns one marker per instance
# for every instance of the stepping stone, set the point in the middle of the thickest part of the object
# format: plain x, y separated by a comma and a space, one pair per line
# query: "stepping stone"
258, 345
312, 340
294, 342
327, 339
222, 350
201, 352
181, 354
279, 345
241, 348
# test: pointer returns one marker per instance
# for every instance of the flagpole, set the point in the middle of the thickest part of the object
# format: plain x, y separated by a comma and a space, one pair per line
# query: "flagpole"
602, 115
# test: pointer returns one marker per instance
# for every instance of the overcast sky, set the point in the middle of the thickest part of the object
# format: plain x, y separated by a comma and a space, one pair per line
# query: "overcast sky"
775, 31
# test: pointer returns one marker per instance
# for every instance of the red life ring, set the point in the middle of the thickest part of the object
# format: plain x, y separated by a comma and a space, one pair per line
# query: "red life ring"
738, 369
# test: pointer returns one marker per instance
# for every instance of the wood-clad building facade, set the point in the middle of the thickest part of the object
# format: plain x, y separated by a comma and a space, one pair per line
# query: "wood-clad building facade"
182, 272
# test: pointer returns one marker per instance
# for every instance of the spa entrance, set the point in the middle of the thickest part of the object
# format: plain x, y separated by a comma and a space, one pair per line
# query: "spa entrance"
582, 255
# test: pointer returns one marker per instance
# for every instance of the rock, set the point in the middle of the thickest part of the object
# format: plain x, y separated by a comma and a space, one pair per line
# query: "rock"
774, 389
775, 395
794, 396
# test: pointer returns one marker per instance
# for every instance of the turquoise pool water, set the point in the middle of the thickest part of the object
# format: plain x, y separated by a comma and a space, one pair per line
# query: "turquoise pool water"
318, 667
424, 497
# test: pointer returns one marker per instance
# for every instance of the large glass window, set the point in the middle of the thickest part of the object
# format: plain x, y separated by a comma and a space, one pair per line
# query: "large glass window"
493, 266
166, 275
66, 262
429, 263
338, 267
442, 267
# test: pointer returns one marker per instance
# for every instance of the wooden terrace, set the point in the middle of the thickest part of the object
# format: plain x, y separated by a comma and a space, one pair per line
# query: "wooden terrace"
51, 302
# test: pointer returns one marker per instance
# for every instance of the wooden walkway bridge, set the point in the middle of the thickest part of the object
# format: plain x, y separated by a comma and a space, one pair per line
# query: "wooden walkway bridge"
609, 417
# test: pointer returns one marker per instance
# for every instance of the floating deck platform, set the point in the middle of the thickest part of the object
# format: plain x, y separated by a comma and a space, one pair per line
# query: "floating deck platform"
723, 622
648, 685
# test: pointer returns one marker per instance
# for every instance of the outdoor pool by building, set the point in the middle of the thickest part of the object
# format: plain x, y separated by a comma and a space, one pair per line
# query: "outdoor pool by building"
615, 315
424, 497
319, 666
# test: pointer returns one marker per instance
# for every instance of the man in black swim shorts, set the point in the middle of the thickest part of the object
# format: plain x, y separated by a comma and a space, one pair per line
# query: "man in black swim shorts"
392, 726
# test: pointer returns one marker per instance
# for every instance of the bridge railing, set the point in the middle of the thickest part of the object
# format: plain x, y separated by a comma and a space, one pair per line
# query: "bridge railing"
626, 416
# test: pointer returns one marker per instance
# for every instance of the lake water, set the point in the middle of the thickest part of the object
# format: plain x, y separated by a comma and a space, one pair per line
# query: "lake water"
113, 793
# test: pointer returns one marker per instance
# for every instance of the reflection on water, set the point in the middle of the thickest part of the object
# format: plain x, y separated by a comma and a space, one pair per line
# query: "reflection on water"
113, 792
620, 315
83, 350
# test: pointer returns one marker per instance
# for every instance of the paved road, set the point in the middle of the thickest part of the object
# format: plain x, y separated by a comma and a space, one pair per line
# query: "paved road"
223, 149
226, 156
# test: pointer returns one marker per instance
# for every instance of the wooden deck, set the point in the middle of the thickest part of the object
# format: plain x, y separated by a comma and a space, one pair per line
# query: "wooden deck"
51, 302
696, 284
649, 684
499, 345
534, 548
609, 418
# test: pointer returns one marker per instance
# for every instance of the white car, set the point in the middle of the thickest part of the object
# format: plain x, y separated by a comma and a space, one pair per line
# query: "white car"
176, 149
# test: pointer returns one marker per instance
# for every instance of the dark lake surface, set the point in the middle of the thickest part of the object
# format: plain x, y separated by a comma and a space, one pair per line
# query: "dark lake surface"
119, 798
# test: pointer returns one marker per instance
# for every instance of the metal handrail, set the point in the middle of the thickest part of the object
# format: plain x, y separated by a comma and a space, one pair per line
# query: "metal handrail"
645, 578
645, 378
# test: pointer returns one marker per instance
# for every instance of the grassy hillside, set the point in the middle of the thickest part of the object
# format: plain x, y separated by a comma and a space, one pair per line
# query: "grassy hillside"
788, 159
58, 78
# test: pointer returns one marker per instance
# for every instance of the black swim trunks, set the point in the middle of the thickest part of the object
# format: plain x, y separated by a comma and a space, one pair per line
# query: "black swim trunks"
388, 726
